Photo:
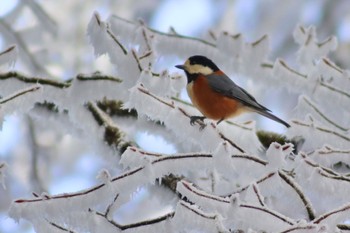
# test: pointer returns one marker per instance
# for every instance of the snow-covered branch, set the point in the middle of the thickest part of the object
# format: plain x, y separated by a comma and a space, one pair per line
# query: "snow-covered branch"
220, 176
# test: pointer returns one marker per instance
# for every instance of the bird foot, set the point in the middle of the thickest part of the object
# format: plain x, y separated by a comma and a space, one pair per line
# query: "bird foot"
199, 120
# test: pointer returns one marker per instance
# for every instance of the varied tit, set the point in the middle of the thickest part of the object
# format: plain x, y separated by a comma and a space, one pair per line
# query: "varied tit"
215, 95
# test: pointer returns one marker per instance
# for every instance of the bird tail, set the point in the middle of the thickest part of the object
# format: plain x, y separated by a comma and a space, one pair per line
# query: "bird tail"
273, 117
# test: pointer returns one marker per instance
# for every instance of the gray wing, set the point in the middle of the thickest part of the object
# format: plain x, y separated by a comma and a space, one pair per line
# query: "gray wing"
224, 85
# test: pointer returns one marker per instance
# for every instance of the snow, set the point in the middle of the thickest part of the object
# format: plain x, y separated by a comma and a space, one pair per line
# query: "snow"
225, 181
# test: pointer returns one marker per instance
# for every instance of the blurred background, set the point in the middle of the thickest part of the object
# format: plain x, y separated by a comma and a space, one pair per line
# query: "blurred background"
53, 43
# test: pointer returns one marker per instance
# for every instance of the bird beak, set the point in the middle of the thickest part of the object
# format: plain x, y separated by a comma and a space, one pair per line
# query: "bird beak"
181, 67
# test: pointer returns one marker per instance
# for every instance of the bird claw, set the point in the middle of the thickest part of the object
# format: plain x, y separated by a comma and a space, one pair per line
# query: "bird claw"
199, 120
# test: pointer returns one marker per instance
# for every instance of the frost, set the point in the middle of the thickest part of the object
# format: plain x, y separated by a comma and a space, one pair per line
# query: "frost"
8, 56
222, 178
104, 176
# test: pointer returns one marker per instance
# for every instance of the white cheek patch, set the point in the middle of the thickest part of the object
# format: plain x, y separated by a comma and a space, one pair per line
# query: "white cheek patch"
198, 69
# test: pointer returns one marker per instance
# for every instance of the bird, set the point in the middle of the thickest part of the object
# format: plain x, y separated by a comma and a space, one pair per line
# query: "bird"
215, 95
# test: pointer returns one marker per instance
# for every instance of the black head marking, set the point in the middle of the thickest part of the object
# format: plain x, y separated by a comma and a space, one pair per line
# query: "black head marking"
201, 60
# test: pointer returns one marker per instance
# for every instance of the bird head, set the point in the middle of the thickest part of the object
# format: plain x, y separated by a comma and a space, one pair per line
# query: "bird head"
197, 65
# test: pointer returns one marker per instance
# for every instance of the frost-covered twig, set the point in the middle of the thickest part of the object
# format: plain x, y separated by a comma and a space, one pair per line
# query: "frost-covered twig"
8, 50
81, 193
113, 135
258, 194
46, 81
109, 207
154, 157
332, 65
110, 33
252, 158
268, 176
186, 187
115, 108
137, 60
335, 89
326, 172
8, 55
27, 79
167, 34
281, 62
299, 228
20, 93
269, 212
59, 227
224, 204
314, 107
144, 34
257, 42
342, 210
303, 197
136, 224
231, 142
321, 129
345, 227
330, 150
335, 177
97, 76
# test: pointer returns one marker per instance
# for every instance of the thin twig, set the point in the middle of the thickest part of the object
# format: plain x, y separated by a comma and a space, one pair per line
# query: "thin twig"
258, 195
331, 65
334, 89
254, 44
268, 176
291, 70
298, 228
137, 60
114, 38
137, 224
59, 227
26, 79
9, 49
322, 114
20, 93
109, 207
200, 193
297, 189
97, 76
270, 212
328, 131
331, 213
167, 34
252, 158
